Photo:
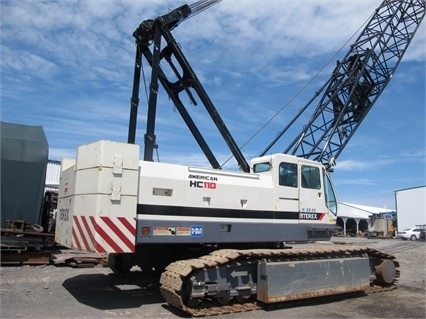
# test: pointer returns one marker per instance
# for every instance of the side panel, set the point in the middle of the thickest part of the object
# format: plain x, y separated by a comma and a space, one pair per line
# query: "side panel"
227, 190
174, 230
161, 184
64, 217
179, 204
284, 281
181, 186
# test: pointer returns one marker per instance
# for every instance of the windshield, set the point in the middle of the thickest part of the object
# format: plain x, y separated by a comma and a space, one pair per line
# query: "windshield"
330, 196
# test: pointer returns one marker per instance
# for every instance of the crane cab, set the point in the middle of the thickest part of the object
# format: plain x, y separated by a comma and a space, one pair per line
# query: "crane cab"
299, 185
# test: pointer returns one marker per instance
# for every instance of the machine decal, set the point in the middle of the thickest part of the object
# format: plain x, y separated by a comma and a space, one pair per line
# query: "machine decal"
169, 231
66, 186
197, 231
203, 177
145, 231
312, 216
183, 231
164, 231
64, 214
202, 181
102, 234
200, 184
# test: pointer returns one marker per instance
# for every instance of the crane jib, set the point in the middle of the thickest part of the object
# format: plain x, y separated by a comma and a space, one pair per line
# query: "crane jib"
357, 81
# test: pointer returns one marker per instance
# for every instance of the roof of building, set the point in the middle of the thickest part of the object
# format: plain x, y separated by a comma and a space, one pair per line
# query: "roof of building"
360, 211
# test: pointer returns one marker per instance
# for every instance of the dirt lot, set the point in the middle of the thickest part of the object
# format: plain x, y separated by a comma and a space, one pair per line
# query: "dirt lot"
64, 292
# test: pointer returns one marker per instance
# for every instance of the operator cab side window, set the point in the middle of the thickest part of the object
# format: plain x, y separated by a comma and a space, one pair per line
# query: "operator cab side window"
262, 167
288, 174
311, 177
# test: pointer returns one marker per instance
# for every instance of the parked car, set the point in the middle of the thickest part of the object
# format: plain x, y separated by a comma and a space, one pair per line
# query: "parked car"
410, 233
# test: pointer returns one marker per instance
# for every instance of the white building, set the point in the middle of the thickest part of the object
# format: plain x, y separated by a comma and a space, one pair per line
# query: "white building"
372, 217
410, 206
53, 172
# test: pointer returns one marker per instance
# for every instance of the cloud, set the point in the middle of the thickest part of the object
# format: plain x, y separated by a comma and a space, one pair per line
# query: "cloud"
356, 165
92, 40
415, 155
23, 61
356, 181
60, 153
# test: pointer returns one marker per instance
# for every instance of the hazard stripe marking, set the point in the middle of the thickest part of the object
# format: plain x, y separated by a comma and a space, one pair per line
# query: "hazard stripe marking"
97, 245
80, 232
75, 239
119, 233
126, 223
88, 230
101, 232
104, 234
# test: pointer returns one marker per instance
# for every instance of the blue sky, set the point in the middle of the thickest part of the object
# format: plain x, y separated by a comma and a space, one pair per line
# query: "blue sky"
68, 66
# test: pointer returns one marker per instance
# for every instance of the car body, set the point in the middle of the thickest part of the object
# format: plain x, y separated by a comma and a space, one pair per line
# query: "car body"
412, 233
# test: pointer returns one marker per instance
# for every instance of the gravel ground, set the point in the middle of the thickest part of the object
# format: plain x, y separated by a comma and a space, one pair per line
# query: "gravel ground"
64, 292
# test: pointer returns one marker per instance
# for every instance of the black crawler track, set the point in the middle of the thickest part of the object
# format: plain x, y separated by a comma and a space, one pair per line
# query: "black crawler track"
177, 273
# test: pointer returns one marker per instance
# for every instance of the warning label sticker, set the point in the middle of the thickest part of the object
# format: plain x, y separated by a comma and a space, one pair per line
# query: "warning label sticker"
193, 231
164, 231
183, 231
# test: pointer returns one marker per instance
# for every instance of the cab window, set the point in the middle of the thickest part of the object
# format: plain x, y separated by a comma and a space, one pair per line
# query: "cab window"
330, 196
261, 167
311, 177
288, 174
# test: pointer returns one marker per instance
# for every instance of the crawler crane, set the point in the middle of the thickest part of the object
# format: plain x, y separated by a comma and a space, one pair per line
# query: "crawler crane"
218, 236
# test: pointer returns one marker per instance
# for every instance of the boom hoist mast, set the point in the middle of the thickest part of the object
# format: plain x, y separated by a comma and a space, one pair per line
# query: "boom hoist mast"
149, 37
356, 82
354, 86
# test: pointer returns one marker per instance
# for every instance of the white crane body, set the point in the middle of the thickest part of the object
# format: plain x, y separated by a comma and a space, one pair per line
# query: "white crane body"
108, 190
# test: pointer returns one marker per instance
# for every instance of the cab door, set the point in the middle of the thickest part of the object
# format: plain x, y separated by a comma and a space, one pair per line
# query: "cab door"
287, 194
311, 194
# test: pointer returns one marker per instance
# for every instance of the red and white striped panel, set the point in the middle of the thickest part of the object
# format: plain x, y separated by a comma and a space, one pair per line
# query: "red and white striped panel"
104, 234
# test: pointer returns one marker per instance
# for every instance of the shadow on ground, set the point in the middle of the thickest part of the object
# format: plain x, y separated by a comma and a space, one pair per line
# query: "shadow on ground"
111, 291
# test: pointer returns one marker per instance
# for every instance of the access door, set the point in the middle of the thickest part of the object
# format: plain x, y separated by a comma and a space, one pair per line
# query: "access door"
287, 193
311, 194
